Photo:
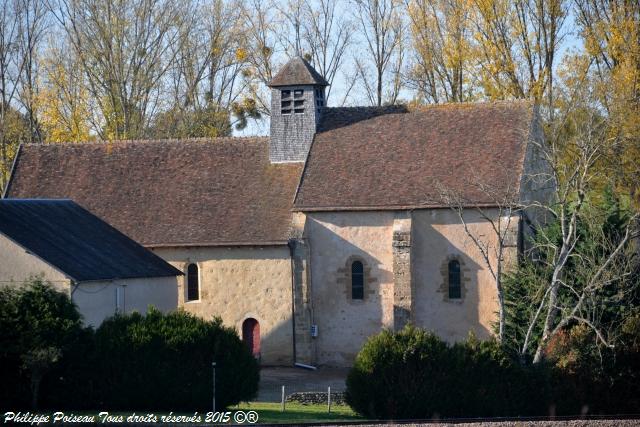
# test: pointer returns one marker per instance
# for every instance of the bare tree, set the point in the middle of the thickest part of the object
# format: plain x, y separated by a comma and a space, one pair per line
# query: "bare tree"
495, 234
32, 28
576, 151
328, 36
11, 66
291, 24
125, 50
382, 28
260, 43
208, 65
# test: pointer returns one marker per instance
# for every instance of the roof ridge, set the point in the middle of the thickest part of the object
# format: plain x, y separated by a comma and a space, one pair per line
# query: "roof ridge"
220, 139
483, 103
417, 107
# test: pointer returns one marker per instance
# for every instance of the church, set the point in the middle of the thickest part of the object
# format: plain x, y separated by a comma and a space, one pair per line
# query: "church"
327, 231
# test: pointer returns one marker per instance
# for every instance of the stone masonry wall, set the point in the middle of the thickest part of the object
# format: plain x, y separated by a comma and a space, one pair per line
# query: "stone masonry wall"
402, 283
344, 324
240, 283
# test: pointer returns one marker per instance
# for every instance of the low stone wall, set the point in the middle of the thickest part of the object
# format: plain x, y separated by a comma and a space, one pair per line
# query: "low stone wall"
313, 398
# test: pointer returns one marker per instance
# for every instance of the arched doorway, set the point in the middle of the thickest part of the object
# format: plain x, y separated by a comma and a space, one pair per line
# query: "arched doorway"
251, 335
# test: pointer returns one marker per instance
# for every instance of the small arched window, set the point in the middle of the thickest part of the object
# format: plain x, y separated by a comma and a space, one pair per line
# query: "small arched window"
357, 280
193, 285
454, 280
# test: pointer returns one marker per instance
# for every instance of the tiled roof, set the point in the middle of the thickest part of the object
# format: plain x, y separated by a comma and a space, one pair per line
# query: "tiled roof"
162, 193
392, 158
297, 72
76, 242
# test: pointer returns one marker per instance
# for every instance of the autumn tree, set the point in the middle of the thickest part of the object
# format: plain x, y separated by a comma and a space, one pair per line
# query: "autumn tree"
517, 43
64, 108
32, 26
611, 34
124, 48
205, 83
11, 64
442, 66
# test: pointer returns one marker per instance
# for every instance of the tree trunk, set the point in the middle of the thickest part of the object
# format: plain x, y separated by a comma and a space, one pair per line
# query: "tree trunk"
36, 378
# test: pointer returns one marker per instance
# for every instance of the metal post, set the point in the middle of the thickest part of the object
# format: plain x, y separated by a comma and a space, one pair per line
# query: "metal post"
213, 366
283, 404
329, 399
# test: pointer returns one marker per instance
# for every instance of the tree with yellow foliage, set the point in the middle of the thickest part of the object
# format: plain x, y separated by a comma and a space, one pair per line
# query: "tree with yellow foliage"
517, 42
611, 34
442, 68
64, 109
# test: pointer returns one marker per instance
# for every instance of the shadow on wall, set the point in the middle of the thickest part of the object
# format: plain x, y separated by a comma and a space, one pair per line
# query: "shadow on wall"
346, 315
438, 239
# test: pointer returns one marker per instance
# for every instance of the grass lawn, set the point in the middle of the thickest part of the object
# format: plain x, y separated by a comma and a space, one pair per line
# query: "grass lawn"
271, 413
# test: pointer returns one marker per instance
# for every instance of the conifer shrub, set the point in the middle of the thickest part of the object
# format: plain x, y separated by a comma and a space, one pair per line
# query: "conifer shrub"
164, 361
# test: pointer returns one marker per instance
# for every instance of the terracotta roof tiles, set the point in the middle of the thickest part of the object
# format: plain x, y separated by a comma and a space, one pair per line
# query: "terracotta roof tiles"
189, 192
394, 157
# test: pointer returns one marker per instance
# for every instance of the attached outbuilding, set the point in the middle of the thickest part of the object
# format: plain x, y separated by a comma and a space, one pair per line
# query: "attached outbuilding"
101, 269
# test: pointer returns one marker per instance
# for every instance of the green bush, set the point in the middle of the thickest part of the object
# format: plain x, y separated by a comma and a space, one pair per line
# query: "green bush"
162, 361
131, 362
399, 375
414, 374
592, 377
40, 332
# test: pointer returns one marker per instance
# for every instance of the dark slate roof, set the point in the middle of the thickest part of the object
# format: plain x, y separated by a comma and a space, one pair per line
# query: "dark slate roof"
297, 72
168, 193
76, 242
397, 158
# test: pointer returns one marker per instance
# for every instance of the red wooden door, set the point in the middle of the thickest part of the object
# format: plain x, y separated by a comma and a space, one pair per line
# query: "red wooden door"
251, 335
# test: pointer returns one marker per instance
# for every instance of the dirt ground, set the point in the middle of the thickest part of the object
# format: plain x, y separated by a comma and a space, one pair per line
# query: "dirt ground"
297, 380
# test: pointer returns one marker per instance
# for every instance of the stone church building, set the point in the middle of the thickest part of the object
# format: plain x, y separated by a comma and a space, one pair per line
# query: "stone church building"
329, 230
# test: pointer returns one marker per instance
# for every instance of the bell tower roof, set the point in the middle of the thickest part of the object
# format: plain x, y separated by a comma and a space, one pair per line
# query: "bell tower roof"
297, 72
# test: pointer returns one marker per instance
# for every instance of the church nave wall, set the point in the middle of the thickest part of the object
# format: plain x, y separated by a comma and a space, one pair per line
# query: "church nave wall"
240, 283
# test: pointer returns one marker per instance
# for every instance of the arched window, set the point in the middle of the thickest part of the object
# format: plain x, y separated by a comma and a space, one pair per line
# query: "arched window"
454, 280
357, 280
193, 285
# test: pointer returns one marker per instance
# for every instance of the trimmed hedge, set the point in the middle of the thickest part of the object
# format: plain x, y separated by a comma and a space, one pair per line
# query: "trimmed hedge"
155, 361
162, 361
414, 374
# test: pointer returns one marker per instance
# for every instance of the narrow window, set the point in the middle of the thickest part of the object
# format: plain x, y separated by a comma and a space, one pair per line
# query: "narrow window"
285, 102
357, 280
193, 287
298, 93
454, 280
